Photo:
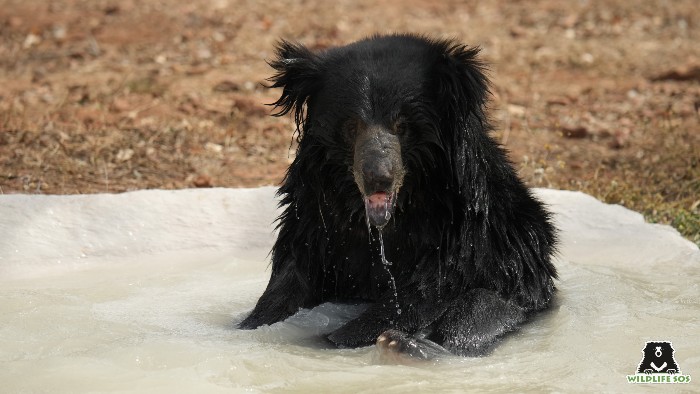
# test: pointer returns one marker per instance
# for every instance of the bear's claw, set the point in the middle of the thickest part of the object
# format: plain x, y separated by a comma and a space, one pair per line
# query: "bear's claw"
397, 347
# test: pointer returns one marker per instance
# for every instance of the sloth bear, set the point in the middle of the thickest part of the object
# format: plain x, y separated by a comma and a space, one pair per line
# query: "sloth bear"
398, 196
658, 358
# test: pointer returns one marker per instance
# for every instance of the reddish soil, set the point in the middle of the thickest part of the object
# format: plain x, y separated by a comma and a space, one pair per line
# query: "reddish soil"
110, 96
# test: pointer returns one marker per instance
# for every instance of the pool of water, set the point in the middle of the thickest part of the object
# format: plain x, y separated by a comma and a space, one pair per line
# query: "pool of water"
86, 306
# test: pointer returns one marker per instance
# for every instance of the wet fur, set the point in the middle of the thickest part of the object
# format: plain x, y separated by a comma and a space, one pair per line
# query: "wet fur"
470, 246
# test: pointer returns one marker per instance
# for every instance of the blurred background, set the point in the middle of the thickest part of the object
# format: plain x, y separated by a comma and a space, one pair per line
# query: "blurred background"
106, 96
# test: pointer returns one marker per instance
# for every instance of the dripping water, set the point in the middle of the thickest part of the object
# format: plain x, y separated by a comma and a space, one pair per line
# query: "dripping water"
369, 228
386, 263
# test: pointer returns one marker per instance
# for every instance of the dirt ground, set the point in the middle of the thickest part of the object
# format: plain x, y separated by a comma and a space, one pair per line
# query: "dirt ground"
109, 96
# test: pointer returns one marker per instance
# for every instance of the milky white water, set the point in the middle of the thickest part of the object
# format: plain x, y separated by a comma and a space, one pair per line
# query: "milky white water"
141, 291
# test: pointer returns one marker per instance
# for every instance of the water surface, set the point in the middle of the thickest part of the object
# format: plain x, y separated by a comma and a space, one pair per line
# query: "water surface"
158, 318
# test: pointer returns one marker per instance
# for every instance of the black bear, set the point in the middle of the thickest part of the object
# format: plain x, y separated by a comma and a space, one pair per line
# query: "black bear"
658, 358
395, 159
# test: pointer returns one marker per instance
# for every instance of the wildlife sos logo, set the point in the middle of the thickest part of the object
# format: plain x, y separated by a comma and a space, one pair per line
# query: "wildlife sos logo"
658, 365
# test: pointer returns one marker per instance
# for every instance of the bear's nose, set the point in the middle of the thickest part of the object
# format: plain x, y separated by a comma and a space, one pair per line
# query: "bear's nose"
377, 176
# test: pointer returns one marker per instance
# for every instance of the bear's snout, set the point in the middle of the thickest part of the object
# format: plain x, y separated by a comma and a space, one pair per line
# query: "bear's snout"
378, 171
377, 175
377, 165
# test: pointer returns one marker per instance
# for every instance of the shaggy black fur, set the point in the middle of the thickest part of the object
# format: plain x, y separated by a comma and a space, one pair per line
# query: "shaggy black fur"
470, 247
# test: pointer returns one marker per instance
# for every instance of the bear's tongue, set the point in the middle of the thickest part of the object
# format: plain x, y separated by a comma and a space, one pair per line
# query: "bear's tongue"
378, 207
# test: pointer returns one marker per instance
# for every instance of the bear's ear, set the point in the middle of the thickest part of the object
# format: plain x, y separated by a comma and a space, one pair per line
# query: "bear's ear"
461, 91
462, 83
298, 73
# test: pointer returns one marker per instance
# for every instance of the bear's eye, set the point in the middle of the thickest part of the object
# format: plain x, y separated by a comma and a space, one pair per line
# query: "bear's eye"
399, 126
349, 129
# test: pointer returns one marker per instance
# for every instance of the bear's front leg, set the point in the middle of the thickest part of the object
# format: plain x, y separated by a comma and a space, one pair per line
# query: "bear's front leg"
365, 329
468, 326
414, 312
286, 293
474, 321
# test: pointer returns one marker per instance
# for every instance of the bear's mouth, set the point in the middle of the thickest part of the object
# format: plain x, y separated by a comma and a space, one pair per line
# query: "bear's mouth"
379, 207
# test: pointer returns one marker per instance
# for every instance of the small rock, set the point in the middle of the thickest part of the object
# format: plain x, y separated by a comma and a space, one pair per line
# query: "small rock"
249, 106
111, 10
204, 53
249, 85
620, 138
558, 101
214, 148
575, 132
227, 86
682, 73
218, 36
120, 104
202, 181
516, 110
125, 154
59, 32
31, 40
518, 31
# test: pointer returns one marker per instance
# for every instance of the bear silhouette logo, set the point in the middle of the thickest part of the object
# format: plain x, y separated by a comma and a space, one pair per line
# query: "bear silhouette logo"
658, 358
